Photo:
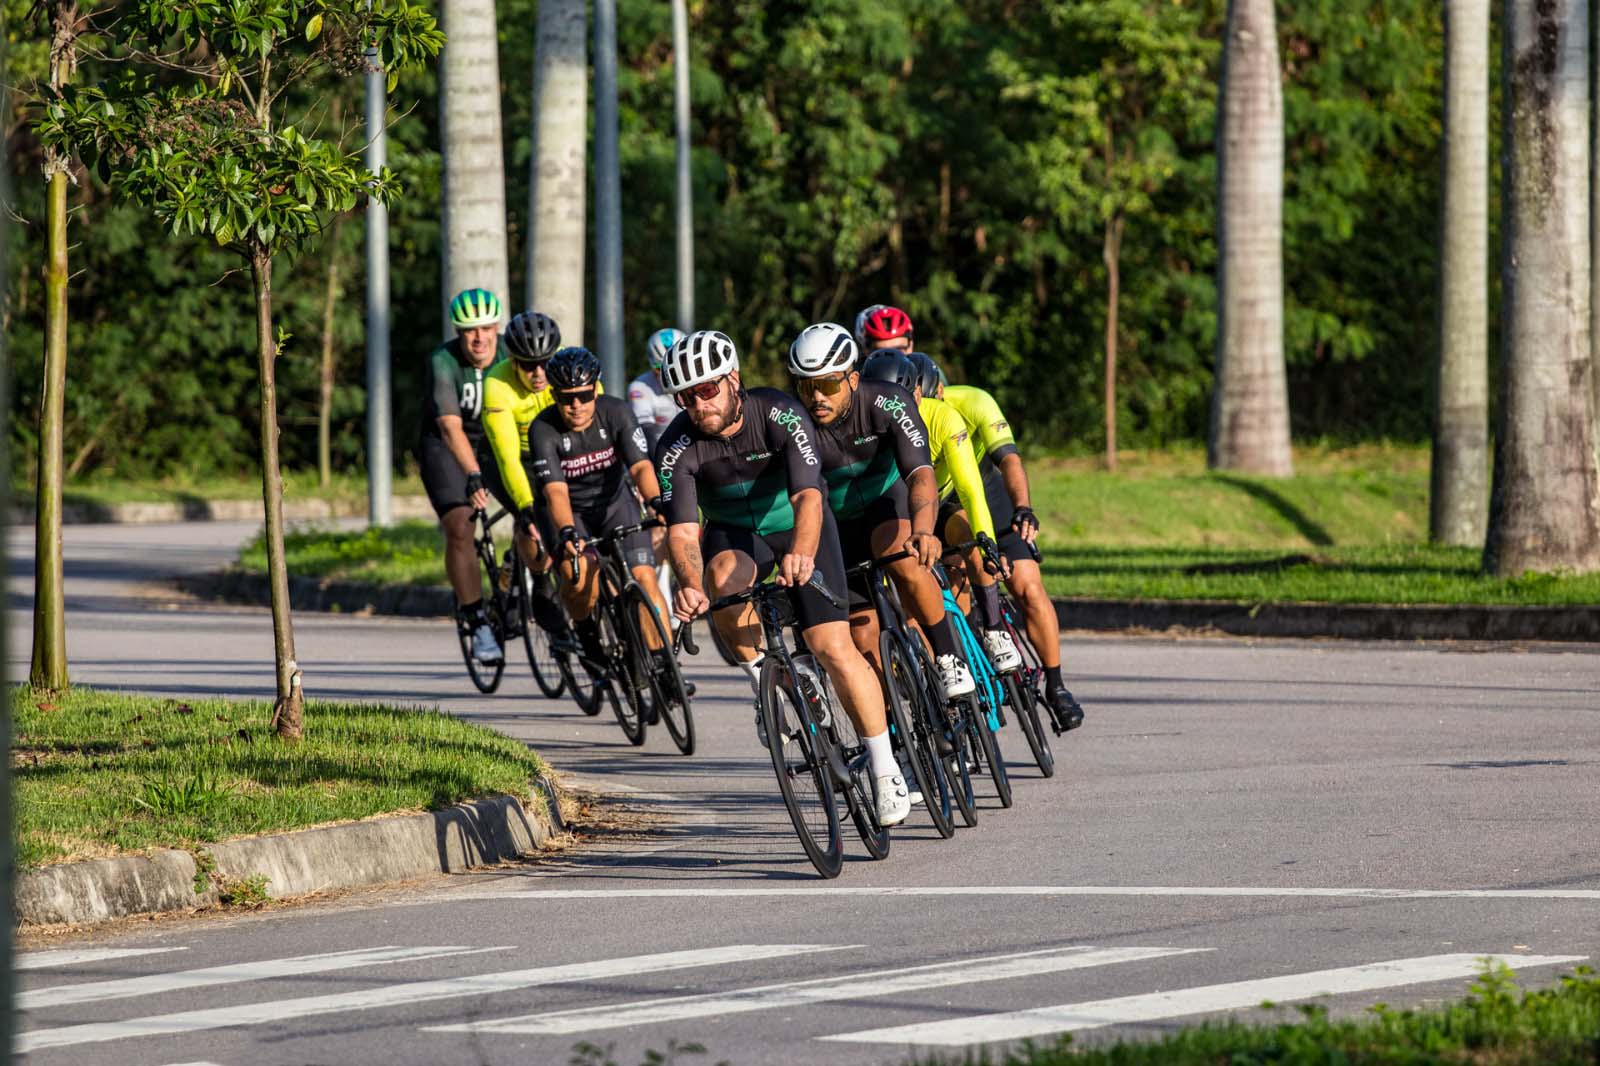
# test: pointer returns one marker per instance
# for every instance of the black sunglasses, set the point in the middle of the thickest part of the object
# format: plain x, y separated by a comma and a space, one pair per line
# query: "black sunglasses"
577, 396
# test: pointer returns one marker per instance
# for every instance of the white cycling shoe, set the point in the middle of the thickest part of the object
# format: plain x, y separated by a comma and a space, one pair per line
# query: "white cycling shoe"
485, 648
955, 677
1002, 650
894, 801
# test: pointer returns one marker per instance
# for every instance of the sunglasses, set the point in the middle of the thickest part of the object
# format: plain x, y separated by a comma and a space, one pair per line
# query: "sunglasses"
574, 398
706, 390
823, 386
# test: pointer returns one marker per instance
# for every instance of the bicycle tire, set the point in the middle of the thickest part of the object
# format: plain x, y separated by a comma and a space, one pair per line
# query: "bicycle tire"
722, 645
960, 778
620, 673
990, 755
668, 694
535, 640
804, 779
859, 799
906, 718
485, 676
1021, 697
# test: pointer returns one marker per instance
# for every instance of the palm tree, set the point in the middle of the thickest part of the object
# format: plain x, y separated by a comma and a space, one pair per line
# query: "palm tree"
474, 171
557, 207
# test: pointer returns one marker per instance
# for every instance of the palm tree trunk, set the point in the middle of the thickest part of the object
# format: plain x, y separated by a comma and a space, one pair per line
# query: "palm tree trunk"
1545, 509
1458, 510
557, 208
287, 711
1250, 398
474, 170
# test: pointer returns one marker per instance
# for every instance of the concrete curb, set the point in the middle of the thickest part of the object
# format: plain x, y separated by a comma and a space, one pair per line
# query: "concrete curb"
311, 594
351, 855
197, 509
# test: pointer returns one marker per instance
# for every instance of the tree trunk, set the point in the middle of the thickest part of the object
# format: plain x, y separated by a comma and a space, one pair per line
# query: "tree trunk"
1112, 252
1250, 397
557, 210
474, 210
287, 711
1545, 508
49, 667
1458, 502
325, 381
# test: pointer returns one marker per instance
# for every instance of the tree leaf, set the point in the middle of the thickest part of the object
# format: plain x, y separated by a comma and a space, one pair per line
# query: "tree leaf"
314, 27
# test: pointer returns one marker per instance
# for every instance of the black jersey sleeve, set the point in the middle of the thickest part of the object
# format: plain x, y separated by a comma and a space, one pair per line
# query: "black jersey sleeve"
675, 469
789, 431
895, 415
544, 446
446, 383
624, 428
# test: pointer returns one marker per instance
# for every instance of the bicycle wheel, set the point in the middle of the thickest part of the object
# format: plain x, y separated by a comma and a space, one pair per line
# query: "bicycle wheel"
1020, 695
858, 796
535, 639
721, 645
988, 747
957, 772
913, 741
804, 779
667, 692
622, 673
486, 676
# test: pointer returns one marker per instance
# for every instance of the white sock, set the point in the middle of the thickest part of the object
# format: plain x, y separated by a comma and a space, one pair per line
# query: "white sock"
881, 754
753, 669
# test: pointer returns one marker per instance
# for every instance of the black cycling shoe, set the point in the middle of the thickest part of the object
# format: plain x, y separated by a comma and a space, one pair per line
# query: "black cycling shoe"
1064, 709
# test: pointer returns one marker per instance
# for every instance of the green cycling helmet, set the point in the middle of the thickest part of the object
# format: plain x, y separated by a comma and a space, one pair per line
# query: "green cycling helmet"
474, 307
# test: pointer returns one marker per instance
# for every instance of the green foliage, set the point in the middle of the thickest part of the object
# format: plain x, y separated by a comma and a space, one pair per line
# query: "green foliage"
195, 794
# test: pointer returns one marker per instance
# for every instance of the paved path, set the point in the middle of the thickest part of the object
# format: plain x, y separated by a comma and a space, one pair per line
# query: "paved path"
1236, 822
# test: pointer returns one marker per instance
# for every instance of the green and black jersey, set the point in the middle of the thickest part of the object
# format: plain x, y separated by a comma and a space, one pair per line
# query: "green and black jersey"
870, 447
455, 387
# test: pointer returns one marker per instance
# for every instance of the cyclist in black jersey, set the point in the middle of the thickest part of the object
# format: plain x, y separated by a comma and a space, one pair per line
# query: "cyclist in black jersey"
585, 449
881, 487
457, 465
748, 460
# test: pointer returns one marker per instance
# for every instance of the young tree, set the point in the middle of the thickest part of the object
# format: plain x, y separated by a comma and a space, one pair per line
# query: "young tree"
1250, 397
199, 130
557, 214
1544, 512
474, 213
1458, 502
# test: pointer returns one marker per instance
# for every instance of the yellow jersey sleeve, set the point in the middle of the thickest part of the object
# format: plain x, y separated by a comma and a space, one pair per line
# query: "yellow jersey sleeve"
954, 463
988, 426
505, 420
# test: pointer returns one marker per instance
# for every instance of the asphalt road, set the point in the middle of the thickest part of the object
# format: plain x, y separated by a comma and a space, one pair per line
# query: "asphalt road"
1236, 822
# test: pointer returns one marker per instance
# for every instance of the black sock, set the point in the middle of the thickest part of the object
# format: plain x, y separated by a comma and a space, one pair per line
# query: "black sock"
942, 637
470, 612
588, 632
987, 599
1052, 678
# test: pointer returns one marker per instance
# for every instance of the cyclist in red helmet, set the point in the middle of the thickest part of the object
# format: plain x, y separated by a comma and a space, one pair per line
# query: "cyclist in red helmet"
888, 327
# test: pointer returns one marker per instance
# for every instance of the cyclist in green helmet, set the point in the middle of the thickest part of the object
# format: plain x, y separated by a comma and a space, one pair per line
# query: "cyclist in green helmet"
458, 466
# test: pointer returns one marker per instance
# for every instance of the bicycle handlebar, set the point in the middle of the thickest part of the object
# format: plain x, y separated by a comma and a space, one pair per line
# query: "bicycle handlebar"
882, 561
991, 551
767, 590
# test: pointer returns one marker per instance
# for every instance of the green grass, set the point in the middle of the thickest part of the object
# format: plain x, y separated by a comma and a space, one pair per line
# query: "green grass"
181, 488
1497, 1025
98, 773
407, 553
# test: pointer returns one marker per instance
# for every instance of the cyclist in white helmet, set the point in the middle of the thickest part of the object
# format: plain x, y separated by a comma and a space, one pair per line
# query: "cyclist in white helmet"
652, 405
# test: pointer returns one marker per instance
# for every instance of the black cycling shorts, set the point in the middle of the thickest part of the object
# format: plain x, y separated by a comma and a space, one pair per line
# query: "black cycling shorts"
1011, 545
446, 482
622, 510
810, 607
855, 536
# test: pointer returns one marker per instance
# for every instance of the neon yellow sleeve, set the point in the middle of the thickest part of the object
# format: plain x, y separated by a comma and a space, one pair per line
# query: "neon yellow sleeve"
505, 437
955, 465
990, 430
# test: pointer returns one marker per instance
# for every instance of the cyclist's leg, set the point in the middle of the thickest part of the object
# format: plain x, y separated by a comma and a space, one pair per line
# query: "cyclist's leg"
639, 554
446, 485
736, 559
985, 597
1044, 631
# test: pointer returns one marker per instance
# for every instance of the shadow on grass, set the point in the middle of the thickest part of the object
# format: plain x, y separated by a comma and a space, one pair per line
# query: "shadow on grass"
1301, 521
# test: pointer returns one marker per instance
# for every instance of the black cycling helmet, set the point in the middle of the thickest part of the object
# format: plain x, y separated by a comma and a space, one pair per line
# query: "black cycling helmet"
573, 368
532, 337
927, 371
887, 364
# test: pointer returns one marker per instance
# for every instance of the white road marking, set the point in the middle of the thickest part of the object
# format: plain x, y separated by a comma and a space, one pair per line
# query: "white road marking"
1050, 890
284, 1010
236, 973
871, 985
1238, 995
46, 960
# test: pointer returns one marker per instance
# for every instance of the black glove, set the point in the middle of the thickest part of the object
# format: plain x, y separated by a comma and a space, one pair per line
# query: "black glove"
569, 535
474, 484
525, 519
656, 506
1024, 516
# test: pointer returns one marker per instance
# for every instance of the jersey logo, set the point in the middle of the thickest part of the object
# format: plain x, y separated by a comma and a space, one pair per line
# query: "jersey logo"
638, 439
789, 420
471, 397
603, 433
958, 438
566, 444
1001, 425
865, 440
896, 408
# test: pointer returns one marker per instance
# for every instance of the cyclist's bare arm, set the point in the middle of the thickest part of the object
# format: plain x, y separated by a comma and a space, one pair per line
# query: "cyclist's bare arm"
455, 438
683, 548
795, 567
644, 478
1015, 478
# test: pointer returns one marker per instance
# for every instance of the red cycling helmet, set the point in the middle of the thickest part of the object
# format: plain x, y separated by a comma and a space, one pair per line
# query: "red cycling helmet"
887, 323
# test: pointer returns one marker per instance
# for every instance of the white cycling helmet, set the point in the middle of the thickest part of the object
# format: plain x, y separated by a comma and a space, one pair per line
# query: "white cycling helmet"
661, 341
821, 349
704, 355
861, 323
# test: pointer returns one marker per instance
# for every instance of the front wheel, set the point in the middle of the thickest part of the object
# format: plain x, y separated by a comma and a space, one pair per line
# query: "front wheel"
486, 676
622, 675
804, 780
988, 746
1020, 694
958, 771
908, 720
535, 639
668, 694
858, 795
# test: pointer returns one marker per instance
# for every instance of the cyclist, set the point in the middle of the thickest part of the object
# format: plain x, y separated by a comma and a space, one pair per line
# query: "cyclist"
748, 459
886, 327
960, 480
860, 331
881, 487
585, 449
1005, 485
651, 405
458, 468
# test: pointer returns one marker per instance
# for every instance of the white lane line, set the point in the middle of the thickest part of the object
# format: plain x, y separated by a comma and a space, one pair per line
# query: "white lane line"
46, 960
1239, 995
873, 985
1052, 890
235, 973
284, 1010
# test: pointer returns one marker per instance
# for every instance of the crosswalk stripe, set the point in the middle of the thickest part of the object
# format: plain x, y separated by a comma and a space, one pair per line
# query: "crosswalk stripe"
398, 995
236, 973
1238, 995
990, 891
49, 960
874, 985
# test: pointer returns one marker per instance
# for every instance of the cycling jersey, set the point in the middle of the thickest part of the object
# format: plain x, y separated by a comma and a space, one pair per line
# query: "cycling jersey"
592, 462
743, 481
653, 407
865, 451
509, 408
991, 433
954, 463
456, 388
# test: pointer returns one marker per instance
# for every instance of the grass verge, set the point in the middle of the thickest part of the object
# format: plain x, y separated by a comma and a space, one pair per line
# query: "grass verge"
98, 773
1498, 1024
180, 488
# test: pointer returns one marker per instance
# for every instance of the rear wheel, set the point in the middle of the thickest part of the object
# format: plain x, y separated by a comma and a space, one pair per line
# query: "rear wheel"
1021, 697
622, 673
988, 747
908, 723
957, 770
858, 795
667, 691
804, 779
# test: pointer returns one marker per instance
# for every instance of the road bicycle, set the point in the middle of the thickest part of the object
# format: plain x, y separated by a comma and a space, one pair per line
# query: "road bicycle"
1031, 692
816, 754
916, 697
510, 608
